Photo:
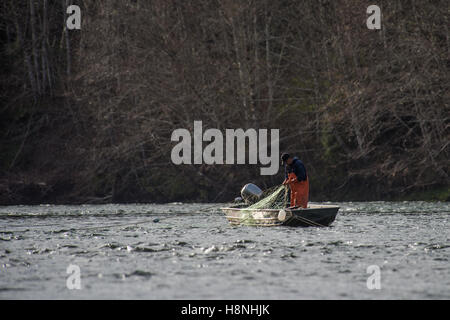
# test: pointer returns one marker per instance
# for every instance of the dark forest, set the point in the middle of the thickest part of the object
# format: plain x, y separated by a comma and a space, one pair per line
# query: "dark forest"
86, 116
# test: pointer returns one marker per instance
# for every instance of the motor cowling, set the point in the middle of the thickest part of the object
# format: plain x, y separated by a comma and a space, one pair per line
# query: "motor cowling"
251, 193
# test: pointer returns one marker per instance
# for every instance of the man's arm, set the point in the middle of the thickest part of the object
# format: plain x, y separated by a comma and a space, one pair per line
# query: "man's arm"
285, 175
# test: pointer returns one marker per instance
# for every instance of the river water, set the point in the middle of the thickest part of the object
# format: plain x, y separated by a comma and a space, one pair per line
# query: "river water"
189, 251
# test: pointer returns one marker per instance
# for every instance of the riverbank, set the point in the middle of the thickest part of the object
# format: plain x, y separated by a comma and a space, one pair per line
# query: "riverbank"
34, 193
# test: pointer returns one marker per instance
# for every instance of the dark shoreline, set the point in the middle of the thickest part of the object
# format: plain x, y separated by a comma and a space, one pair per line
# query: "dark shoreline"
35, 194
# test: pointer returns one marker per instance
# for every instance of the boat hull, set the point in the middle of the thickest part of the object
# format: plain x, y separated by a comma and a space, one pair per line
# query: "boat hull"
314, 215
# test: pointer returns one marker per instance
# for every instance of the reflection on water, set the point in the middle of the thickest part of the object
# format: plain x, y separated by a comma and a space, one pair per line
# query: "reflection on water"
189, 251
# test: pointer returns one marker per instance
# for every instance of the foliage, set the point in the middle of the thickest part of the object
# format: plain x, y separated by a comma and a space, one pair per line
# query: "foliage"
90, 113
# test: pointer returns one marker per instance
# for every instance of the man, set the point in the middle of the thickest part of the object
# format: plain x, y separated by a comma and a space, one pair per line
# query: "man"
297, 179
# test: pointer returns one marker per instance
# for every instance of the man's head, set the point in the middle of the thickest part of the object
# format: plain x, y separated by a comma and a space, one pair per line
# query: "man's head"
286, 158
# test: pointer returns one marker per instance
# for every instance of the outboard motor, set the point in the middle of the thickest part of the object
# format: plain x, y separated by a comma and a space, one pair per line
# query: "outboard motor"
251, 193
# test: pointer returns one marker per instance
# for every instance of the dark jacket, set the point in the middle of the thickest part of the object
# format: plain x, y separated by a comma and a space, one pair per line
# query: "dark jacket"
298, 168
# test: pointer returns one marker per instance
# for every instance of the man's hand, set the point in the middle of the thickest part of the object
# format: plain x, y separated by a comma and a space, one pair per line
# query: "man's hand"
288, 181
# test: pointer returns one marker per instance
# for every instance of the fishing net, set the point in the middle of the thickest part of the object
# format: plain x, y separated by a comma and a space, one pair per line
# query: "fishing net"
273, 198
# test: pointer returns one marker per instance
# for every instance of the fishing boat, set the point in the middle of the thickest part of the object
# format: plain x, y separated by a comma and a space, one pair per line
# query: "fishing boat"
317, 215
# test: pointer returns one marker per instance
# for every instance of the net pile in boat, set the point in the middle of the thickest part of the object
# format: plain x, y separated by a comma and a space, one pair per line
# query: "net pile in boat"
274, 198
